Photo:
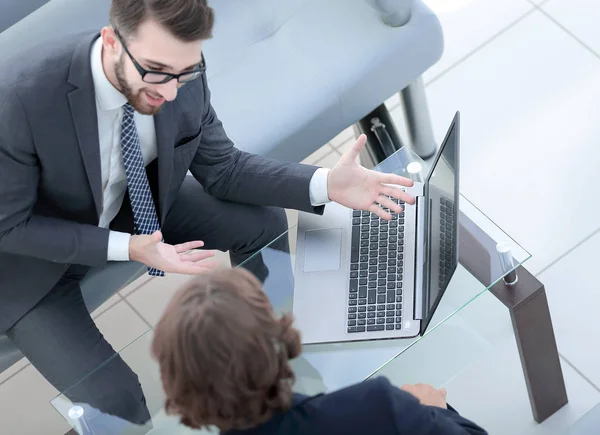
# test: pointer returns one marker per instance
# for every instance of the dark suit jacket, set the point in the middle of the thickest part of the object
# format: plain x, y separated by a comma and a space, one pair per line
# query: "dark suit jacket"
50, 178
373, 407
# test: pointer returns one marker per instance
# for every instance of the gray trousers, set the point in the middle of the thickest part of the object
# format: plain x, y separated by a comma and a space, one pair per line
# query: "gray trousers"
60, 339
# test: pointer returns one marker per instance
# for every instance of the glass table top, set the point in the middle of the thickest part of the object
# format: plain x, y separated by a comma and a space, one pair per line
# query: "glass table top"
326, 367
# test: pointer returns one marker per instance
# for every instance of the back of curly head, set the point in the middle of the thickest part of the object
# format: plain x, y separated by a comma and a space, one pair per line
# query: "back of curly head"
224, 354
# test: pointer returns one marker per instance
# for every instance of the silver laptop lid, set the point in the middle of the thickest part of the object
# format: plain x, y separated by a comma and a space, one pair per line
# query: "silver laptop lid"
441, 197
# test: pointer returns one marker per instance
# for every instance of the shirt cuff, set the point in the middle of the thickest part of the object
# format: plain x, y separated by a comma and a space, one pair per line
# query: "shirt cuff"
318, 187
118, 246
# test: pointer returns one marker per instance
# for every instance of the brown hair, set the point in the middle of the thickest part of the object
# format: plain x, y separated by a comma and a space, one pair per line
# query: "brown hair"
223, 353
188, 20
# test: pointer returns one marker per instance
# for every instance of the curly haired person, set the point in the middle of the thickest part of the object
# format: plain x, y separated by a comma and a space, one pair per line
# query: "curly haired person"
224, 361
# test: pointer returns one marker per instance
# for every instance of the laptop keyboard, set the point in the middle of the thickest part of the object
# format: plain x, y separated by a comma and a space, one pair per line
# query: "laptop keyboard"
447, 254
376, 271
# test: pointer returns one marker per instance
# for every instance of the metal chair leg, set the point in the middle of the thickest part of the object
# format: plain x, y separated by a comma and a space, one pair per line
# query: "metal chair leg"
382, 137
418, 120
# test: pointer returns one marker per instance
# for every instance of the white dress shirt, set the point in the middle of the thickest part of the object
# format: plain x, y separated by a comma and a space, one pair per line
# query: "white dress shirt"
109, 108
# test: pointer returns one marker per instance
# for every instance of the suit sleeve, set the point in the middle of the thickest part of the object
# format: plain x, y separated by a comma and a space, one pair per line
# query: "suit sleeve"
22, 232
234, 175
410, 417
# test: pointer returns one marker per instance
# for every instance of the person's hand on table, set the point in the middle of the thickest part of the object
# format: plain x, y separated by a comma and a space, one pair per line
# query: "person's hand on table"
183, 258
428, 395
357, 187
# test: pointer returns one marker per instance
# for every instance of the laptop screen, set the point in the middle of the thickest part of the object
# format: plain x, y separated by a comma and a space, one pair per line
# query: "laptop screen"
441, 199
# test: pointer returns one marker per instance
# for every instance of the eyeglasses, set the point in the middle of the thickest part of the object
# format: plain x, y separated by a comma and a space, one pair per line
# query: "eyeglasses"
158, 77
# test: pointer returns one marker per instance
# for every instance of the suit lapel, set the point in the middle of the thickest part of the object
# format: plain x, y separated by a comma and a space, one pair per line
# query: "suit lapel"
165, 125
83, 111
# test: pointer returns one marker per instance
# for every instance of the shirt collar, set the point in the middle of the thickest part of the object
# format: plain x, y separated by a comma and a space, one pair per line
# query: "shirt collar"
107, 96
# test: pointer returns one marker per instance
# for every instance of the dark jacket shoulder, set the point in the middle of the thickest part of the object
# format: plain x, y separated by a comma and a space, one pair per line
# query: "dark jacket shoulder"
374, 406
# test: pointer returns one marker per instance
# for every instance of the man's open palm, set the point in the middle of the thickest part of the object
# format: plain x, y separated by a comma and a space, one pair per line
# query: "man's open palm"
357, 187
182, 258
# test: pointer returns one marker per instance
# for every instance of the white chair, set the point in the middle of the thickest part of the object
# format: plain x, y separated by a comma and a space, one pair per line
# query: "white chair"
295, 73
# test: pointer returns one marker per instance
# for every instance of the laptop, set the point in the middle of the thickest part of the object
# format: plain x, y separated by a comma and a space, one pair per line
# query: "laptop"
359, 277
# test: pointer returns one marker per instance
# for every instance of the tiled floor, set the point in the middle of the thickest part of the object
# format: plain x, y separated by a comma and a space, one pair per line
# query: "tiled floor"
525, 75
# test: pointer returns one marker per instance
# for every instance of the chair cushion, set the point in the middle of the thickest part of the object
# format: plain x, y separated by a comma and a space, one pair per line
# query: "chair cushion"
253, 21
55, 19
324, 68
12, 11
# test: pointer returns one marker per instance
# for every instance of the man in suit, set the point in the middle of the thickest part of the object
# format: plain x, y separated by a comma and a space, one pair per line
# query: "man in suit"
98, 133
224, 361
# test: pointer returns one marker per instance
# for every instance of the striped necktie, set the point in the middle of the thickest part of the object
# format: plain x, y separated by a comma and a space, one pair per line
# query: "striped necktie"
145, 218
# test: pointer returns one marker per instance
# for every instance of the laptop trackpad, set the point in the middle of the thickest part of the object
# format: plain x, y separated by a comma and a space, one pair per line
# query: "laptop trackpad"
322, 250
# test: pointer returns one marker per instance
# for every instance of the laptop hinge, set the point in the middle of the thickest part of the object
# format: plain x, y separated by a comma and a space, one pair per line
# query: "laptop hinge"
419, 258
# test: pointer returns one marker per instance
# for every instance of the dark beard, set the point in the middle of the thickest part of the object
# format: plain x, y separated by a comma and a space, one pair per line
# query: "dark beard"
134, 99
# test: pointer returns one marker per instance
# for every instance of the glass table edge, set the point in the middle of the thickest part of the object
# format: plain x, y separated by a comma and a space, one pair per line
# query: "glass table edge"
445, 319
